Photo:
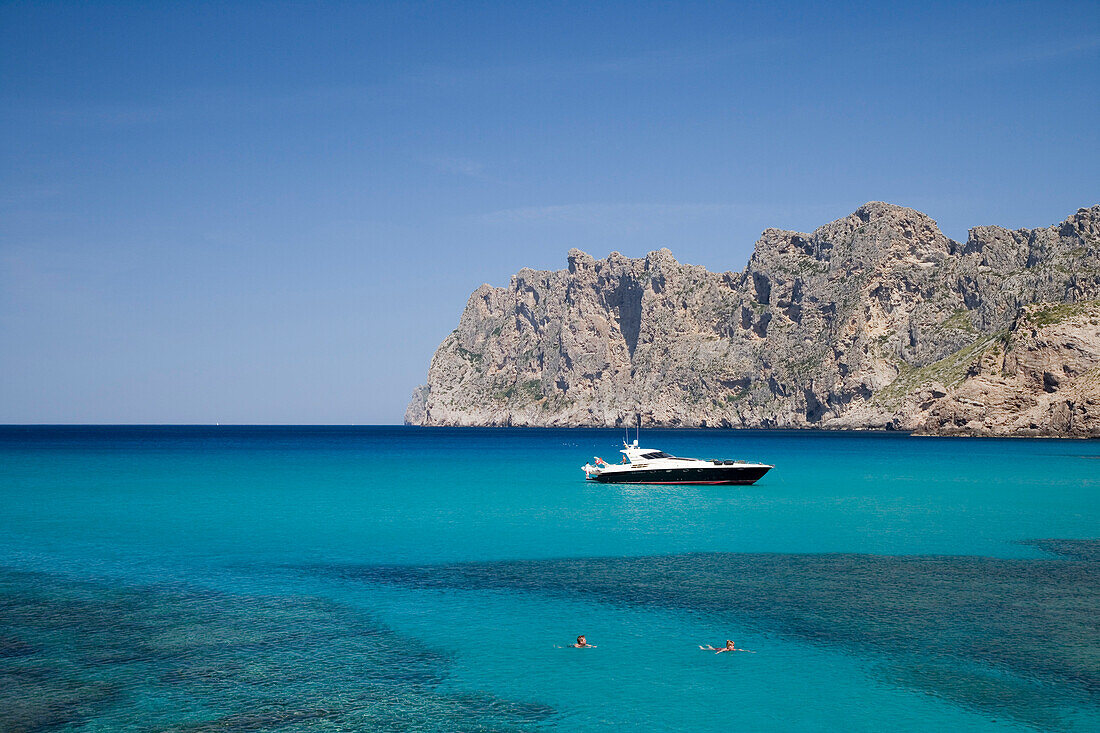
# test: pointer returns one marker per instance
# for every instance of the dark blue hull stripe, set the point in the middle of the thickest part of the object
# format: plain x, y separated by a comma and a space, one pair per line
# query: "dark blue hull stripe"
708, 475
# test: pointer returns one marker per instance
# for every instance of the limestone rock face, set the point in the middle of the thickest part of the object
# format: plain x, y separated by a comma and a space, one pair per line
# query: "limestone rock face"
1041, 378
867, 322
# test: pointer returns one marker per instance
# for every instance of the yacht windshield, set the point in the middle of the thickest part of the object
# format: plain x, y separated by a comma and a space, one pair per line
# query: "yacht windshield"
656, 454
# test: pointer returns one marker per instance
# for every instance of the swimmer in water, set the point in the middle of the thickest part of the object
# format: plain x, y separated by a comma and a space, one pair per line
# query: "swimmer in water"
730, 647
582, 643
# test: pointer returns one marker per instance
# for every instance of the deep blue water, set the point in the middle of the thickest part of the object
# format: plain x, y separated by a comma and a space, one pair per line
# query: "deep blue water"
392, 578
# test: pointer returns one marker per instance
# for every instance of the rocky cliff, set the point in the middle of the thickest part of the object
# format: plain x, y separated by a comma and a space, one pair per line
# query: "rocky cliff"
876, 320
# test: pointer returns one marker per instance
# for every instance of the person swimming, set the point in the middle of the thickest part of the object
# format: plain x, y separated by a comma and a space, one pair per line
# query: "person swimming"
730, 647
582, 643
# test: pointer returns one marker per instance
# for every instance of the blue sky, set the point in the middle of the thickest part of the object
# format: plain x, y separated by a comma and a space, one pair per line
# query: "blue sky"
274, 212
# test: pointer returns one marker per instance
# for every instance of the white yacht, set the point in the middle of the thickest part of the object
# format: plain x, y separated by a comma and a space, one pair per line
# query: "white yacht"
651, 466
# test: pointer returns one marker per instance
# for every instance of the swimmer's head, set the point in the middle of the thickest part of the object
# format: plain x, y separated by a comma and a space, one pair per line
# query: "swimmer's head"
581, 639
729, 644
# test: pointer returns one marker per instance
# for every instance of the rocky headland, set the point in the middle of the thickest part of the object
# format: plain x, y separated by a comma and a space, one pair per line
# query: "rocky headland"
874, 321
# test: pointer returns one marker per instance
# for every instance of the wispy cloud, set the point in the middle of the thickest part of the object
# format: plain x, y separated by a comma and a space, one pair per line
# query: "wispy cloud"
189, 104
16, 198
651, 63
643, 213
598, 213
204, 102
459, 166
1042, 52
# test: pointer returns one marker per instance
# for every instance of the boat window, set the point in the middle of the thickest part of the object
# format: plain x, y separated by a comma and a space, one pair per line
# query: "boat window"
656, 454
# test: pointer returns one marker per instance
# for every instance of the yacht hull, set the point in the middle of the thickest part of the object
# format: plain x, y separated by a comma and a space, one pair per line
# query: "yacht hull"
707, 475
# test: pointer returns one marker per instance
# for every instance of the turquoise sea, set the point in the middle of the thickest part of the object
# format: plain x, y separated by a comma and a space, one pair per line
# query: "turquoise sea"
396, 578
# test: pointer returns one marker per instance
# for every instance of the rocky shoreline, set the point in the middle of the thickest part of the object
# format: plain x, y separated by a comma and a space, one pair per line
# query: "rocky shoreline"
874, 321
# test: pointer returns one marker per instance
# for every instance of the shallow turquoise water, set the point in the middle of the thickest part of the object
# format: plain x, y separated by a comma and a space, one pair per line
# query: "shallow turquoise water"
365, 578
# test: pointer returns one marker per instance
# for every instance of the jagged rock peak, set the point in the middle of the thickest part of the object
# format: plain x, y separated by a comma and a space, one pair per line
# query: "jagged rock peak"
578, 260
882, 209
859, 238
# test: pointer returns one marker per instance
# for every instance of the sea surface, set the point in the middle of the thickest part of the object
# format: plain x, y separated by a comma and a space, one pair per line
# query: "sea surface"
398, 578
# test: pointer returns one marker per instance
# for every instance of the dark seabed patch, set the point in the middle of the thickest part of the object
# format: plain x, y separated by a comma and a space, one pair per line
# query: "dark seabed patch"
170, 659
1016, 637
1075, 549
